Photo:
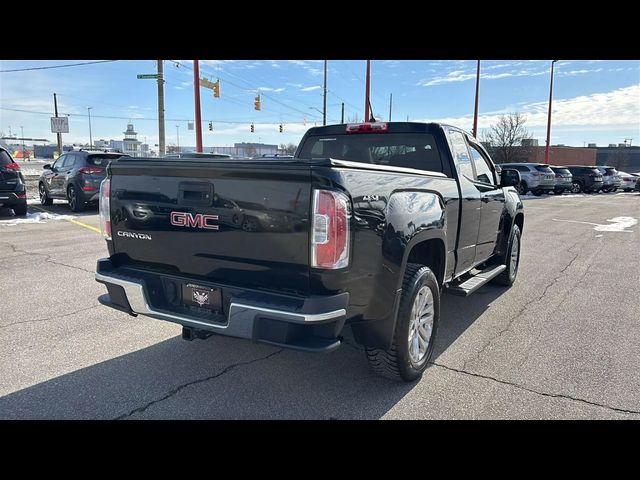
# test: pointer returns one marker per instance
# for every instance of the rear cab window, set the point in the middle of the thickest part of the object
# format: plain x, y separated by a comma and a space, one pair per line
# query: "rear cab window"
407, 150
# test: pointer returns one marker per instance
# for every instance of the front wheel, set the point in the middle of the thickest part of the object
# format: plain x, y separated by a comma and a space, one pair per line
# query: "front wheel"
576, 187
20, 210
415, 329
44, 196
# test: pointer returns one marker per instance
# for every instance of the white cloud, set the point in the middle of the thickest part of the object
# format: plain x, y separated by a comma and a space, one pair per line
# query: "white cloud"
269, 89
461, 76
617, 107
572, 73
310, 89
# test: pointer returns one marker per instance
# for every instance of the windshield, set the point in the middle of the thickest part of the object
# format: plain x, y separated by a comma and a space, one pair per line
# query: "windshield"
396, 149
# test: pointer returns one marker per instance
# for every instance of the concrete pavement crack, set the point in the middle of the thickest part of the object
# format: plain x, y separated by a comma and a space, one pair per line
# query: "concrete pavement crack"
47, 259
179, 388
544, 394
523, 308
48, 318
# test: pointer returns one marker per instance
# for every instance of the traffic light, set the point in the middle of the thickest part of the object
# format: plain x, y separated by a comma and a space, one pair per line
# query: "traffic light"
216, 89
257, 103
280, 128
210, 126
252, 128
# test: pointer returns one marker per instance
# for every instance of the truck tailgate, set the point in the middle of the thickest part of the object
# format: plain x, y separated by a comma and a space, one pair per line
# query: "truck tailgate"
240, 223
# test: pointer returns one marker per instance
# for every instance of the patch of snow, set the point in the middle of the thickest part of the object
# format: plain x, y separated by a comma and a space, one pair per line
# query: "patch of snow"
39, 217
619, 224
30, 172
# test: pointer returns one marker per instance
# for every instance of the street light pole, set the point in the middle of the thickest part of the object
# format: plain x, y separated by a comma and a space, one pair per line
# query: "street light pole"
90, 137
196, 96
546, 150
475, 111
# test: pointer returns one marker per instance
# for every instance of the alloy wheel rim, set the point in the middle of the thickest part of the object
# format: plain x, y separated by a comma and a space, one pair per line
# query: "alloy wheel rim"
575, 188
421, 325
515, 252
72, 198
43, 194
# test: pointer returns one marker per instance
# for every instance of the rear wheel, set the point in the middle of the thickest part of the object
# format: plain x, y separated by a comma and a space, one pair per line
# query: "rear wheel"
512, 260
44, 196
76, 204
20, 210
415, 329
576, 187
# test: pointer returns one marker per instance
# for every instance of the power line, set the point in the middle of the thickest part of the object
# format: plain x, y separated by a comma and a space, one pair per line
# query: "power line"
56, 66
154, 119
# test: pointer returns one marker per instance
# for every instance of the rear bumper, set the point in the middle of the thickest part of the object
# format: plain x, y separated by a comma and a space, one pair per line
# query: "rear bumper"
310, 324
11, 198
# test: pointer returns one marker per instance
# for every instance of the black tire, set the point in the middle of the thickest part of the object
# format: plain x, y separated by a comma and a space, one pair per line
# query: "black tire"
605, 190
614, 189
44, 196
559, 191
20, 210
627, 189
576, 187
507, 277
521, 188
76, 204
395, 362
537, 192
251, 224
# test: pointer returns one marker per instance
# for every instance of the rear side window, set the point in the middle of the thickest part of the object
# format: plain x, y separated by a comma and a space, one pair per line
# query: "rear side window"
100, 160
483, 170
611, 171
396, 149
5, 158
544, 169
561, 171
68, 161
461, 154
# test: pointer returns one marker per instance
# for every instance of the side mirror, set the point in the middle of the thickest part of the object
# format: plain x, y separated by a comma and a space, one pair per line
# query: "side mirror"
509, 177
47, 166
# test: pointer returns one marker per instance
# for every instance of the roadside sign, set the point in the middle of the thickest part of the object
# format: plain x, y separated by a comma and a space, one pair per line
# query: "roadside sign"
59, 125
147, 75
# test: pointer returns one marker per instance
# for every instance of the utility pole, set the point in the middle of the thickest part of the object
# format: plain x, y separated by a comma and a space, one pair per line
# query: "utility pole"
22, 134
90, 137
390, 104
366, 92
546, 150
475, 110
196, 96
324, 96
161, 144
178, 135
59, 135
342, 115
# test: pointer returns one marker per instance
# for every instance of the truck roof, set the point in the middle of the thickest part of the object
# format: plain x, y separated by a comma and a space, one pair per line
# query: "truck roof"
393, 127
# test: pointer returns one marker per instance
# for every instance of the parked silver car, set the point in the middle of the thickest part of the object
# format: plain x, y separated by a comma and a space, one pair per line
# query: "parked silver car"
610, 178
535, 177
627, 181
564, 179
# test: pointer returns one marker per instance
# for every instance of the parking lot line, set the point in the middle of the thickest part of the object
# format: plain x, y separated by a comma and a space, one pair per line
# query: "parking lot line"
90, 227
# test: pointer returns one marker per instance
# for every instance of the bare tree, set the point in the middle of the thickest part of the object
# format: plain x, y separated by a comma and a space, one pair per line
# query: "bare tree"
289, 148
507, 136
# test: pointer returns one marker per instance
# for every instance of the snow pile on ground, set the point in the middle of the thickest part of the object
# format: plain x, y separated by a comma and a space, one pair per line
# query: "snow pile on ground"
39, 217
620, 224
31, 172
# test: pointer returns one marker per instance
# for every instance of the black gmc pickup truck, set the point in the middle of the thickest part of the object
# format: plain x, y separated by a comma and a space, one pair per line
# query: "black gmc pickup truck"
364, 227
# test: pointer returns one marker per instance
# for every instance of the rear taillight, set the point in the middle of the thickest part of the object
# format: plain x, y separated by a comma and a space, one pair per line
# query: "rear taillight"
21, 195
105, 208
90, 170
330, 231
13, 166
376, 127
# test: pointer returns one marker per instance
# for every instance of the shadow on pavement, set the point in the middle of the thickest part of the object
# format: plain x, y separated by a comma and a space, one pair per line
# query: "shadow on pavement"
228, 378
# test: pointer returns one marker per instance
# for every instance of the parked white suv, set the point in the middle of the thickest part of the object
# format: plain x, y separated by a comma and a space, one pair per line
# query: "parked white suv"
535, 177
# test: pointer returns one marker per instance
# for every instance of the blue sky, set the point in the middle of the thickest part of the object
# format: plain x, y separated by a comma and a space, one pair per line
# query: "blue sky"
594, 101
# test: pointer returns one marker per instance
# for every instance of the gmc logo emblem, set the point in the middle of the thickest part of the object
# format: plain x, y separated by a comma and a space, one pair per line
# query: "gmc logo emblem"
185, 219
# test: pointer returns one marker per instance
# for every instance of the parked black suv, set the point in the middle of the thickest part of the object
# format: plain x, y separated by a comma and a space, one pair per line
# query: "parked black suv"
75, 177
13, 192
585, 178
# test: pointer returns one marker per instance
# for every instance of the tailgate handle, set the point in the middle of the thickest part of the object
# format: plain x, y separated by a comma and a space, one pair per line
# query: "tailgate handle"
195, 194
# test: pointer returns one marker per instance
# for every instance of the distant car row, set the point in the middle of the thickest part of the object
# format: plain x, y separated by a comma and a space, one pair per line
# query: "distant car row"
539, 178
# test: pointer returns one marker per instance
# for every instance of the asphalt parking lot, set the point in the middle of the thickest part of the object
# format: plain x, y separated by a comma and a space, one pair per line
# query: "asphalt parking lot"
562, 343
